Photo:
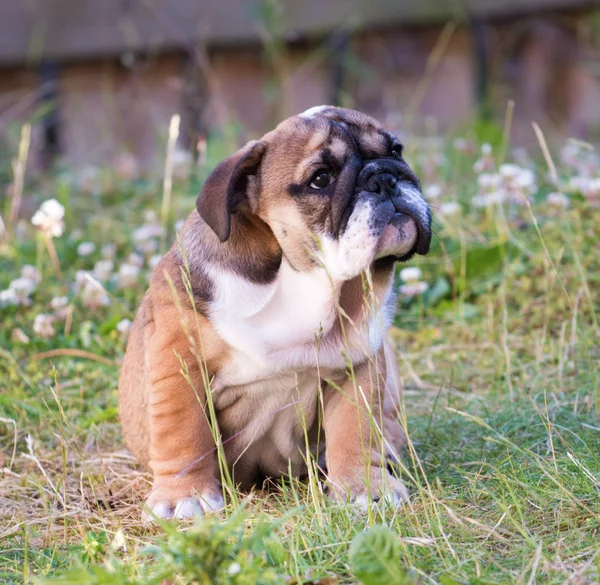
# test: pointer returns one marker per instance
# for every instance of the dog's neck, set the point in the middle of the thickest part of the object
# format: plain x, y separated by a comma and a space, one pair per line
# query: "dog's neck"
293, 319
253, 286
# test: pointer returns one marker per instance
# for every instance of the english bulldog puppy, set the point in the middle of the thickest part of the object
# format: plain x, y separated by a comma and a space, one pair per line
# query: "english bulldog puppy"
262, 336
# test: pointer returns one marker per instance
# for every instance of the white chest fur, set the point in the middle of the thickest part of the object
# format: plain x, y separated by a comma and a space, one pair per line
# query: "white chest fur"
284, 326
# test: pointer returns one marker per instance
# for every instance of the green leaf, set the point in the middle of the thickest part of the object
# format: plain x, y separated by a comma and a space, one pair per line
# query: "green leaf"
274, 548
447, 580
109, 324
455, 310
440, 290
374, 557
480, 261
113, 575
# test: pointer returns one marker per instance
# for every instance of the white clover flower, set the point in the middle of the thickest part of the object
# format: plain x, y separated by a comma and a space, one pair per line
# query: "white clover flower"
128, 275
103, 270
94, 296
124, 327
127, 167
59, 303
523, 178
43, 326
587, 186
108, 251
145, 233
569, 153
135, 259
24, 284
486, 149
509, 170
60, 307
85, 249
581, 158
31, 273
558, 200
593, 190
49, 218
411, 274
411, 277
489, 181
234, 569
511, 183
577, 184
489, 199
147, 248
22, 288
179, 224
8, 297
450, 208
481, 165
462, 145
413, 289
432, 191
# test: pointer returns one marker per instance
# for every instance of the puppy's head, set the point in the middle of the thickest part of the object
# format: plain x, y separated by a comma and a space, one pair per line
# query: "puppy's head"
332, 187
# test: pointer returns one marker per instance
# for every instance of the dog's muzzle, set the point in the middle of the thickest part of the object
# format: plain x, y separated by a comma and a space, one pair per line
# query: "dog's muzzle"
395, 193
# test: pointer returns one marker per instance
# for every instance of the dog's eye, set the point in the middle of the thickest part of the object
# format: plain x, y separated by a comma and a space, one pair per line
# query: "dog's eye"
321, 179
397, 150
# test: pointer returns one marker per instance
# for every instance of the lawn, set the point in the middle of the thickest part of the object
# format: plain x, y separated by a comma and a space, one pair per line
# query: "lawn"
498, 351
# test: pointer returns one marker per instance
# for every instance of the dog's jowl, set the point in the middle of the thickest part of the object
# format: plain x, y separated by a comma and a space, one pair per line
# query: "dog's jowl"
274, 305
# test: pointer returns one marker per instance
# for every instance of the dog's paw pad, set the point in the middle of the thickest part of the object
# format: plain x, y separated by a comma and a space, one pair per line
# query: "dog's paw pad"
183, 508
160, 510
210, 502
188, 508
392, 498
395, 495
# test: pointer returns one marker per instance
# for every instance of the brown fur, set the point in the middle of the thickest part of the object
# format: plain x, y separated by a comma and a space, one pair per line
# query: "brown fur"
174, 350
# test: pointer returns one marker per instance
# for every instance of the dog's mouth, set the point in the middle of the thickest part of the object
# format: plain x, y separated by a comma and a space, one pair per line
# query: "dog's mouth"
406, 223
399, 239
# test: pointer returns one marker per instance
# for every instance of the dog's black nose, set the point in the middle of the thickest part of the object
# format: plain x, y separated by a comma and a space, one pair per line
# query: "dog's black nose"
382, 183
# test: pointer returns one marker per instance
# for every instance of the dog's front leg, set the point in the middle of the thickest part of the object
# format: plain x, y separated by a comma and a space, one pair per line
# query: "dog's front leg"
182, 454
355, 442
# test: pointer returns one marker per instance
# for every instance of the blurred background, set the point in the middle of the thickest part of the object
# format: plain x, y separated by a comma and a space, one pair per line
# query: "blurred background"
100, 80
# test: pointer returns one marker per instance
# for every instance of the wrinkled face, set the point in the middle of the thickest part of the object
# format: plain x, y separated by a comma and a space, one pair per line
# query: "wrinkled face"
335, 190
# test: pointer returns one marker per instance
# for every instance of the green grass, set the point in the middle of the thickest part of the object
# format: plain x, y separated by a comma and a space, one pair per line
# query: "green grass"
500, 365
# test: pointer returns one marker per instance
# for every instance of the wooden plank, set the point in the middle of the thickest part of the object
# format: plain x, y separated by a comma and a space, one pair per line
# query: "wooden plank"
78, 29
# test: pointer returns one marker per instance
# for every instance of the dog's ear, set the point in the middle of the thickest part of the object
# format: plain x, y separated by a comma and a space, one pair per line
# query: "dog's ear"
227, 187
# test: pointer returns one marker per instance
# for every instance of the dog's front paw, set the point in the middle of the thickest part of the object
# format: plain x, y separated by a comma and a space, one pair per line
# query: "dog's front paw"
379, 486
179, 500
